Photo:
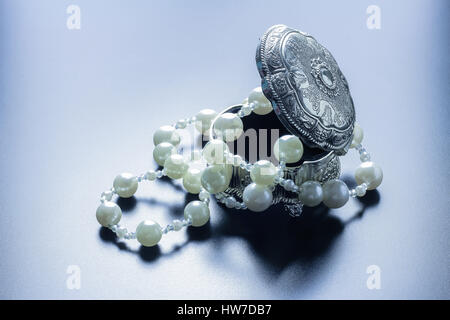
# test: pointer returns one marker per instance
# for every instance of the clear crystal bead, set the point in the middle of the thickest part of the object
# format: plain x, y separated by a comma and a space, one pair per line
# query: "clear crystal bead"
203, 195
230, 202
150, 175
365, 156
246, 109
121, 232
181, 124
361, 190
107, 195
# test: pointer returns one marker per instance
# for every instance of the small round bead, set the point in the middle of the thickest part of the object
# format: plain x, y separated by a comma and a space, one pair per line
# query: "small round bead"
107, 195
260, 103
121, 232
246, 109
257, 197
159, 174
335, 193
230, 202
263, 172
150, 175
148, 233
166, 134
108, 214
289, 185
228, 127
204, 195
177, 224
216, 178
175, 166
203, 120
181, 124
125, 185
358, 136
191, 180
369, 173
197, 212
288, 148
361, 190
311, 193
162, 151
214, 151
364, 156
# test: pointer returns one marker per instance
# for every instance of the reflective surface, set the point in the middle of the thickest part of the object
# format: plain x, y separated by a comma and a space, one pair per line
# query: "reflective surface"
77, 107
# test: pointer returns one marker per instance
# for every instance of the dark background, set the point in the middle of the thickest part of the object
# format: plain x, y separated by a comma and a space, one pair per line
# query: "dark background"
78, 107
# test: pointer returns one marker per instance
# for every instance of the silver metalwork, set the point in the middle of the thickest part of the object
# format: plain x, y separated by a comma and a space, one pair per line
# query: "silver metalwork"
308, 91
326, 168
321, 170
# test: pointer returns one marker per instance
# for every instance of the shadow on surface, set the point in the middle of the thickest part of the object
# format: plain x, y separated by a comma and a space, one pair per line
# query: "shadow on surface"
276, 238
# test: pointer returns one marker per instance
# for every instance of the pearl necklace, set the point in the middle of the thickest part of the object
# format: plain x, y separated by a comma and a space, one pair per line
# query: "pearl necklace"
215, 178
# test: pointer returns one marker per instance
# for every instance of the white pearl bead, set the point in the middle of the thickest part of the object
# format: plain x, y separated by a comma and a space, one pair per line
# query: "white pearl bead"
191, 180
175, 166
148, 233
261, 104
125, 185
203, 120
228, 127
263, 172
198, 212
311, 193
369, 173
216, 178
257, 197
288, 148
166, 134
214, 151
358, 136
162, 151
335, 193
108, 214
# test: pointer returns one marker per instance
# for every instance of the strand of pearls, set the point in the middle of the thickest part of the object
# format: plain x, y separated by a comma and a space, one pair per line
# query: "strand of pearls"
210, 171
196, 213
257, 196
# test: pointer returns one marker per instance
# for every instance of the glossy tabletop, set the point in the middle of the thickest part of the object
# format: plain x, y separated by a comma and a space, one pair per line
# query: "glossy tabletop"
78, 106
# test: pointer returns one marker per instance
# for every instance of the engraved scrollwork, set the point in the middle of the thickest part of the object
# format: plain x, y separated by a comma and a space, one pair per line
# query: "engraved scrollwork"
311, 74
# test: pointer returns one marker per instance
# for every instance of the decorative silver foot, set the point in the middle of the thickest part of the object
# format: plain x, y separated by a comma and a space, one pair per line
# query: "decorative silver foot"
295, 210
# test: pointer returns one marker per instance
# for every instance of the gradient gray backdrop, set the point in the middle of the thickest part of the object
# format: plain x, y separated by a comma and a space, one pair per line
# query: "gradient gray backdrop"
79, 106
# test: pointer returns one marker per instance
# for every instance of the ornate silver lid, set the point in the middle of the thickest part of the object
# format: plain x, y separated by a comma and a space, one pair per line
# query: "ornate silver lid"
308, 91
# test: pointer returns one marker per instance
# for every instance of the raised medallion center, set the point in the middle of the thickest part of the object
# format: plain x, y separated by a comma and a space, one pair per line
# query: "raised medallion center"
327, 77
